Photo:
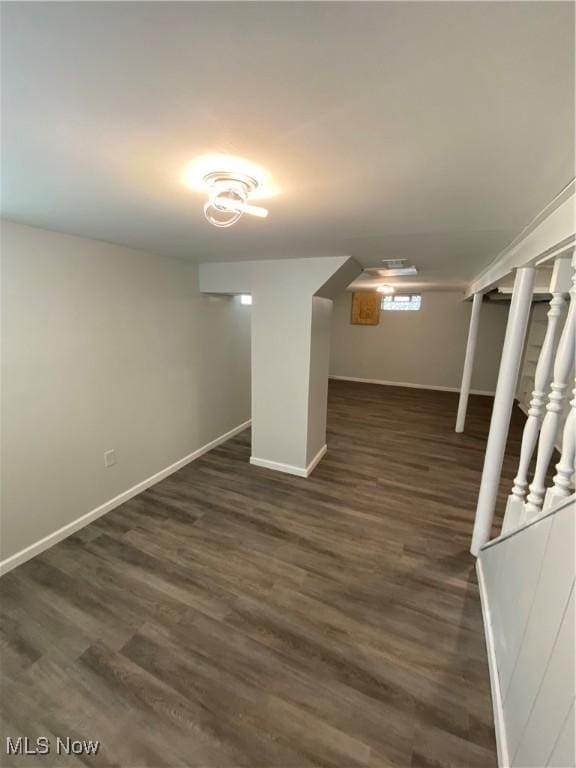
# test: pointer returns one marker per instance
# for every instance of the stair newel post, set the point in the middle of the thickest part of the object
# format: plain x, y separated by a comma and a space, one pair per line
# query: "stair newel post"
503, 402
562, 367
559, 286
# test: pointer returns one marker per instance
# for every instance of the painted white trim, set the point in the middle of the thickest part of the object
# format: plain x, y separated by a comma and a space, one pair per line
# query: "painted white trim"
319, 456
538, 518
290, 469
551, 233
508, 375
499, 724
524, 409
410, 385
53, 538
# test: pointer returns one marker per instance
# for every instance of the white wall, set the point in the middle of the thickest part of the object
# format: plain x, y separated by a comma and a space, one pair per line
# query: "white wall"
280, 378
319, 365
425, 348
290, 351
106, 347
527, 586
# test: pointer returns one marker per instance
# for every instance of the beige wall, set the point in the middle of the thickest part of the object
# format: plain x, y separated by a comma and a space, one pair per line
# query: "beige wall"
106, 347
425, 348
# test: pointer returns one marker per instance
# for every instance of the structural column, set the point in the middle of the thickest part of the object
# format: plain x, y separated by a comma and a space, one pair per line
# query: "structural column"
503, 401
291, 310
469, 362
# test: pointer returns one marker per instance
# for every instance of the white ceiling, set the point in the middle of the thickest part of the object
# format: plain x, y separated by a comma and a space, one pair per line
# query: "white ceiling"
431, 131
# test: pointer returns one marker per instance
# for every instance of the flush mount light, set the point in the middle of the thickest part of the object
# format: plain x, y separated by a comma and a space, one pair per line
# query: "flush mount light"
384, 288
228, 195
231, 184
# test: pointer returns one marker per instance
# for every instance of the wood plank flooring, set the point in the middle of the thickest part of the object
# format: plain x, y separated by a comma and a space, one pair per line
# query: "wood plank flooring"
233, 616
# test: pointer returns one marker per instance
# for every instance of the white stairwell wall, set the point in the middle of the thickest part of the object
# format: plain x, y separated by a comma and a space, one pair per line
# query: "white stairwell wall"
527, 589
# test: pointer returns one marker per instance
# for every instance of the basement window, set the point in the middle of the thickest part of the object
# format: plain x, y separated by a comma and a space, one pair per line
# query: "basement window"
246, 298
410, 303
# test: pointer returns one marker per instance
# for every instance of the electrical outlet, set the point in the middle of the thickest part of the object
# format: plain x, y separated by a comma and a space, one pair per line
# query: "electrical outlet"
109, 458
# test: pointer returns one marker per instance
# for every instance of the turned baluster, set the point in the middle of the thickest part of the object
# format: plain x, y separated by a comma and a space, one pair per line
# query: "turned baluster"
562, 367
515, 501
563, 479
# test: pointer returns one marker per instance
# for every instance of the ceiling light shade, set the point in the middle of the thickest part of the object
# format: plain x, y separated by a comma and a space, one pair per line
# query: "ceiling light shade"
194, 173
228, 195
385, 288
231, 184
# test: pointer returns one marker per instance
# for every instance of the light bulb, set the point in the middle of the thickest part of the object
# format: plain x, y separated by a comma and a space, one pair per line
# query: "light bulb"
213, 214
229, 204
256, 210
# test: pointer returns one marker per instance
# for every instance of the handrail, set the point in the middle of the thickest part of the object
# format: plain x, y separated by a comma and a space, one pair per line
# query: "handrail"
508, 535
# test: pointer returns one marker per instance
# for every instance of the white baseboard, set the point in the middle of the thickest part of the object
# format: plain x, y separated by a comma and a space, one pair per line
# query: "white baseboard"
319, 456
499, 725
290, 469
410, 385
53, 538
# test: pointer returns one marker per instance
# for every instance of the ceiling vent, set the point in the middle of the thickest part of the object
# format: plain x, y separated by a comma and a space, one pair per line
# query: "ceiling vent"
393, 268
394, 263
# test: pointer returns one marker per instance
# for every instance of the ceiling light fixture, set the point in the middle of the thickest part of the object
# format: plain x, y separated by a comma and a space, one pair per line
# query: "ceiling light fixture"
231, 183
384, 288
228, 195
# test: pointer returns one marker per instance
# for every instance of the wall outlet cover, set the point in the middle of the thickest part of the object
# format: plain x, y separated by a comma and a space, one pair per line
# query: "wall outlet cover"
109, 458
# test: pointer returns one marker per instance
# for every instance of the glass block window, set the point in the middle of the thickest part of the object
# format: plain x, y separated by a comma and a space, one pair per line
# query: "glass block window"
410, 303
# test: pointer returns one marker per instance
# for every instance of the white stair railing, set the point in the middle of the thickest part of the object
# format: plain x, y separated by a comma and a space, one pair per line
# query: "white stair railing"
563, 365
566, 467
515, 503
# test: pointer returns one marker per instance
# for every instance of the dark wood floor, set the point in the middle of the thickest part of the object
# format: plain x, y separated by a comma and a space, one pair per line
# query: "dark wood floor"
234, 616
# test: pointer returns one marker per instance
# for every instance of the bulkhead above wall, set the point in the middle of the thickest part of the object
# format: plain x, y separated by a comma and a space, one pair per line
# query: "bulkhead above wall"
323, 276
